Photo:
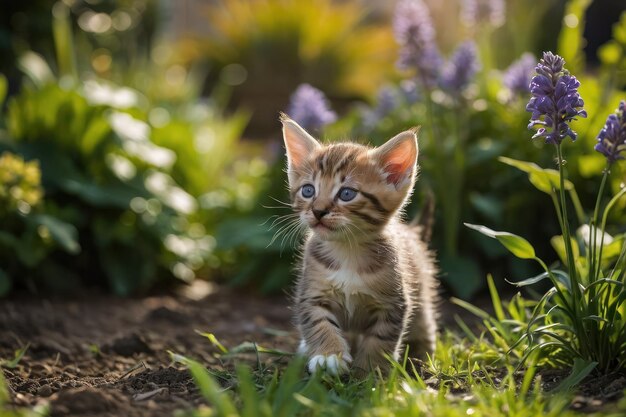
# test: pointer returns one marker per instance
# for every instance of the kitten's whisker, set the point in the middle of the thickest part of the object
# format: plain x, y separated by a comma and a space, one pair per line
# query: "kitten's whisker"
283, 219
268, 219
276, 235
276, 207
292, 232
283, 229
280, 202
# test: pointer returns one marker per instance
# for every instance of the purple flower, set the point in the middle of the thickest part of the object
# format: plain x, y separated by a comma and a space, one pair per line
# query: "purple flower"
461, 68
409, 91
555, 100
309, 107
612, 137
517, 76
414, 32
386, 102
474, 12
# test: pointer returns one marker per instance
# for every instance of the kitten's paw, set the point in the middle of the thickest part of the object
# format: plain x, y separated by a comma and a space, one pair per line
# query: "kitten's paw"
332, 364
302, 348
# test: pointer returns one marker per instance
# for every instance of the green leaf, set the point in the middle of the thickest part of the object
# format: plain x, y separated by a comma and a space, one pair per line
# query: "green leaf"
559, 246
561, 276
36, 68
517, 245
17, 357
63, 233
610, 53
543, 179
208, 387
571, 40
213, 341
580, 370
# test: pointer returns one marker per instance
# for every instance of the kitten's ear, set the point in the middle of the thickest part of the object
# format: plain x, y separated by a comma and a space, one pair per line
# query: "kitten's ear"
298, 142
398, 157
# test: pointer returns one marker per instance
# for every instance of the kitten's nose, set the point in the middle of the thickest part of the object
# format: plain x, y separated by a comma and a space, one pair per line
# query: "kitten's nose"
319, 213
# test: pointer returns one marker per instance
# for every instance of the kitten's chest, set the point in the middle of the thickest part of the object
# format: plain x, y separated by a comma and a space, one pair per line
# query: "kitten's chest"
351, 292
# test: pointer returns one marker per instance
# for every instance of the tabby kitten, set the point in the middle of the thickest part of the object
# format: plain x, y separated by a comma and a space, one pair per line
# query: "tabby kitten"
366, 286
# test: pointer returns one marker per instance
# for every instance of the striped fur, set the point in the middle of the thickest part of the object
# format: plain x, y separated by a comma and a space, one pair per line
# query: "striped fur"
366, 285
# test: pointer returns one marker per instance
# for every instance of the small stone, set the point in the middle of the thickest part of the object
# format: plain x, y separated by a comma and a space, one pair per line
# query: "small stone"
44, 390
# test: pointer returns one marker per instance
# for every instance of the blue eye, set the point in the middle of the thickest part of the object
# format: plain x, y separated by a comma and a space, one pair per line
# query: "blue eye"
308, 191
347, 194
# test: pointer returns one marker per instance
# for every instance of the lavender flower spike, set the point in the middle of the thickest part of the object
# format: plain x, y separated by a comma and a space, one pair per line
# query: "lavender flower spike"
555, 100
414, 32
612, 137
309, 107
517, 77
459, 71
475, 12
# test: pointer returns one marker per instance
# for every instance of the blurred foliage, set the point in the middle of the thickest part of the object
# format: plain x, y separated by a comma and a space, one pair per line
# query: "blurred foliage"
264, 49
123, 176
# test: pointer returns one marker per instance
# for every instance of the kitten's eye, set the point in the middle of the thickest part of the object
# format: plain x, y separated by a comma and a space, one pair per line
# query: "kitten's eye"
308, 191
347, 194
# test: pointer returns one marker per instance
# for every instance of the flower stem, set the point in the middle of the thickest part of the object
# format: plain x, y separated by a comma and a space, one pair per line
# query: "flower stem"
571, 263
593, 227
608, 208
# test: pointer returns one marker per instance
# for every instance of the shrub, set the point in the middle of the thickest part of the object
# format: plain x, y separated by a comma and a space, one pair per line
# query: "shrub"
123, 179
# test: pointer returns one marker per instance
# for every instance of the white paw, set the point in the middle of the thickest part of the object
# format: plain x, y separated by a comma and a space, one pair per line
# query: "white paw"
302, 348
333, 364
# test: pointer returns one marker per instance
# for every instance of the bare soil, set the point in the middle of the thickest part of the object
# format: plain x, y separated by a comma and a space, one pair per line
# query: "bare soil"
105, 356
99, 355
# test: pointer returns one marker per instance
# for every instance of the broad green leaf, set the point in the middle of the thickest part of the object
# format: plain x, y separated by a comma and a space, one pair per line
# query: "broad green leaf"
559, 246
544, 179
613, 249
63, 233
517, 245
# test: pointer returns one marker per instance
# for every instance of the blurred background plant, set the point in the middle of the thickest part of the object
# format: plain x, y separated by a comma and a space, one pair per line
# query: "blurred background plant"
265, 49
132, 107
129, 178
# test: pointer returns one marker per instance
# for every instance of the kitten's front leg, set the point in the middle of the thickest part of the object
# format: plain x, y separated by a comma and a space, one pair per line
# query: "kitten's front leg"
382, 337
322, 337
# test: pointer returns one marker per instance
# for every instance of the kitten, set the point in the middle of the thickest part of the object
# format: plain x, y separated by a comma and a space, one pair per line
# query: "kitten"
366, 286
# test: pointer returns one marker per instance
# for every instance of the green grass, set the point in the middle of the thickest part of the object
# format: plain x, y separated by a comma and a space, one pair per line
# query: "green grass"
466, 377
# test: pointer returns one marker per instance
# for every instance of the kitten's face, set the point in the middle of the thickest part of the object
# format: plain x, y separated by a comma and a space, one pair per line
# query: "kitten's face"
346, 191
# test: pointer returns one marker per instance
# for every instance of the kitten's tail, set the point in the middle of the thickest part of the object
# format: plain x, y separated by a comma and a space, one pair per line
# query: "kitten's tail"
425, 220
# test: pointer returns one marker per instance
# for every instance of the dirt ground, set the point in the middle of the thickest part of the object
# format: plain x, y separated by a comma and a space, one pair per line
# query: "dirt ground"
104, 356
